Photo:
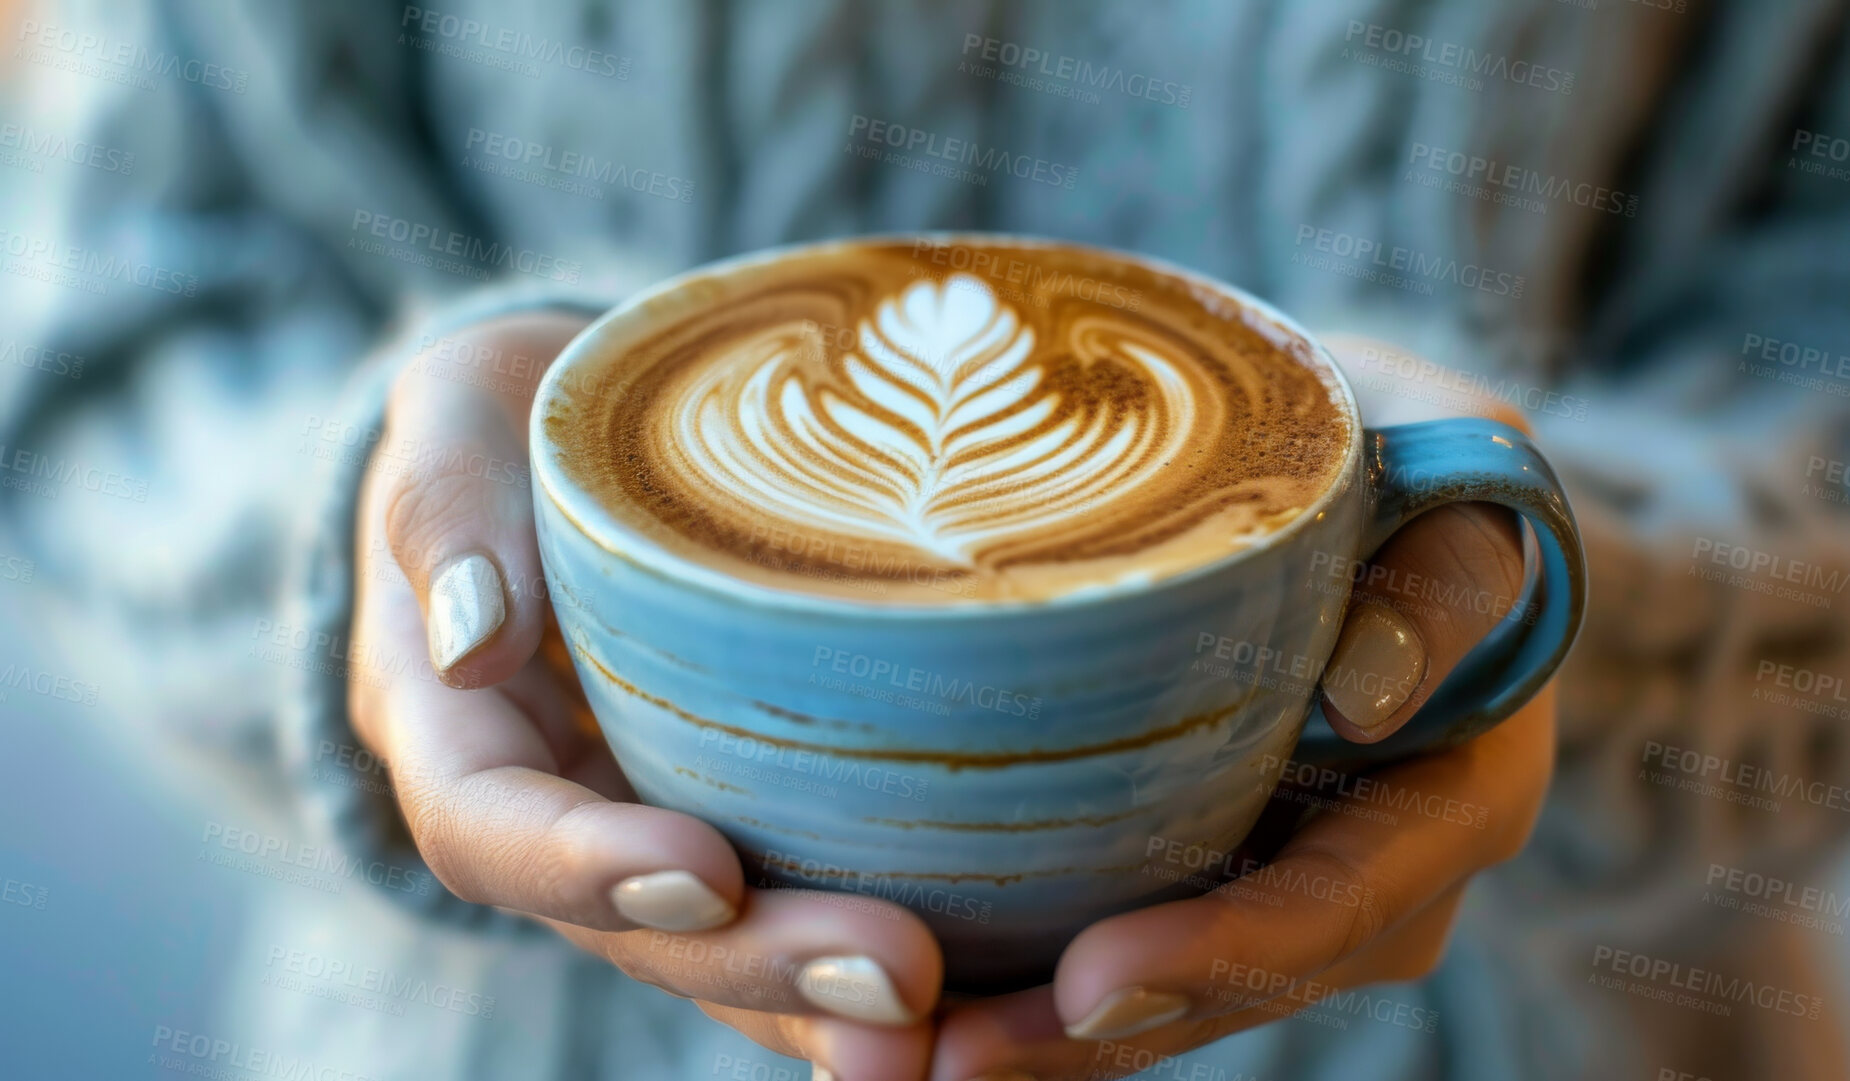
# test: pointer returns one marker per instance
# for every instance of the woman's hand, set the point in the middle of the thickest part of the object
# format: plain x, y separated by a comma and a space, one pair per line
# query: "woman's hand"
508, 787
1364, 892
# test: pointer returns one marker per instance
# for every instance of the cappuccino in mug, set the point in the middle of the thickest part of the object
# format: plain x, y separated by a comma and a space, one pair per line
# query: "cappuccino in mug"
908, 563
917, 422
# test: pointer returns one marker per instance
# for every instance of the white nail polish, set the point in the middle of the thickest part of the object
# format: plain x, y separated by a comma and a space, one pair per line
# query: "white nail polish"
853, 987
465, 608
1378, 662
671, 901
1127, 1012
819, 1072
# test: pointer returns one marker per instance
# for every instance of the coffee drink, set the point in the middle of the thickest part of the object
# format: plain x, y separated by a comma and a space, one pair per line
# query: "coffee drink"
772, 497
936, 423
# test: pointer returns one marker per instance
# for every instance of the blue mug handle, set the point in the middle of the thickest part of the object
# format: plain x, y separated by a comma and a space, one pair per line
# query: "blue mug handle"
1412, 468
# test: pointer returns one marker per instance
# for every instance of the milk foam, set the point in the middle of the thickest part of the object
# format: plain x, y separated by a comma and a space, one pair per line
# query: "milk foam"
946, 433
856, 421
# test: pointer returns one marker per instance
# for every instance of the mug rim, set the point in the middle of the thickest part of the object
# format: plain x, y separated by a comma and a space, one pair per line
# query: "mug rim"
595, 524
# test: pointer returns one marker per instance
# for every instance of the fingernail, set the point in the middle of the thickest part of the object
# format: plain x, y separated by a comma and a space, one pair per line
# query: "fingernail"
465, 608
854, 987
1128, 1011
1379, 660
670, 901
819, 1072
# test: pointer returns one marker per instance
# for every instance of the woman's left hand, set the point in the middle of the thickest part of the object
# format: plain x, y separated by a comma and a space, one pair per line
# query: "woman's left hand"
1364, 892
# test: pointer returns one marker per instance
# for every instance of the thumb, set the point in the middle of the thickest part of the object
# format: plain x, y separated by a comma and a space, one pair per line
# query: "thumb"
1432, 592
459, 505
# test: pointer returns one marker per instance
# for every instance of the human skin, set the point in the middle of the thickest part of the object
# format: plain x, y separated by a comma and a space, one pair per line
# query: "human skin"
514, 800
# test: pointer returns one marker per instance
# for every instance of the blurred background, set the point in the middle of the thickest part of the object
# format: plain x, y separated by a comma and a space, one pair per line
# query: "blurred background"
1628, 220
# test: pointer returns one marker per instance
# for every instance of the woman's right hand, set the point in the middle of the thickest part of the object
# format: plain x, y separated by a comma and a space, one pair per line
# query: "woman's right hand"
508, 787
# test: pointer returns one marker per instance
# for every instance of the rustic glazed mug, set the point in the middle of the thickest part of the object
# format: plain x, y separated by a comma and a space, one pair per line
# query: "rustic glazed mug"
1014, 771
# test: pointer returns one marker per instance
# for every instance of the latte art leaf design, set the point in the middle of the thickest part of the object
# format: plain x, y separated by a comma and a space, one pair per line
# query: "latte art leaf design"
945, 429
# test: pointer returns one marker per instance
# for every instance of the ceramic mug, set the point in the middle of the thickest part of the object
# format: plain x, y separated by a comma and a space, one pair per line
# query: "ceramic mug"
1014, 771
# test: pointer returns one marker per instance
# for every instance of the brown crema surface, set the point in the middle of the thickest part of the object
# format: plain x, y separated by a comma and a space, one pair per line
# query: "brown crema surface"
948, 421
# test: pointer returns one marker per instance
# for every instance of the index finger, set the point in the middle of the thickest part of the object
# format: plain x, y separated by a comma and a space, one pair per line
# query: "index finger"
489, 782
508, 792
498, 826
458, 508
